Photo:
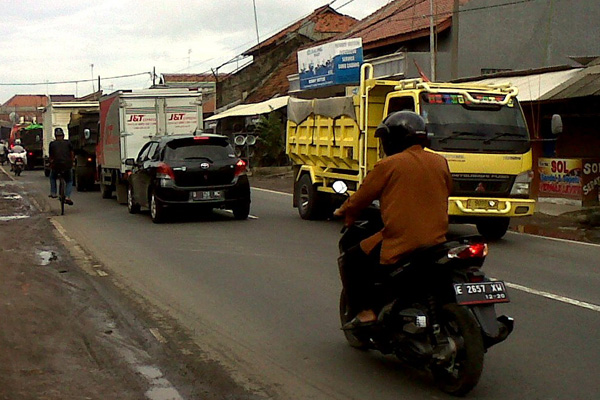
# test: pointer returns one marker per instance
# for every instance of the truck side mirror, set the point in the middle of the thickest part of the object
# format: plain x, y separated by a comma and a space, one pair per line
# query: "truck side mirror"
130, 162
556, 126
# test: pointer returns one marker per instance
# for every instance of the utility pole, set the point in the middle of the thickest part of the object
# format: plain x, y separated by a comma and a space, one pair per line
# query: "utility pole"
93, 87
455, 36
432, 40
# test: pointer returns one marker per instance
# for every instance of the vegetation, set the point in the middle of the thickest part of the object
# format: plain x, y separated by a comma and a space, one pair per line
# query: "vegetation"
270, 144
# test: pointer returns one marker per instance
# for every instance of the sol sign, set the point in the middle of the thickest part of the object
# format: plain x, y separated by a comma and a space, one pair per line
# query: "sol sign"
591, 182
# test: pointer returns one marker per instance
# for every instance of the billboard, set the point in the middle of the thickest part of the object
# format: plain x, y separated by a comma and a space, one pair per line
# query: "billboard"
329, 64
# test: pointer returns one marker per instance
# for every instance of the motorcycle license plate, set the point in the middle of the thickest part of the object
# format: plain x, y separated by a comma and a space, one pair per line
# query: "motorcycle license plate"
207, 195
481, 293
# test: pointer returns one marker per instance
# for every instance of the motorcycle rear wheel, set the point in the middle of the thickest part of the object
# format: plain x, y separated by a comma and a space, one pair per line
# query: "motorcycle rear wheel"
345, 316
462, 373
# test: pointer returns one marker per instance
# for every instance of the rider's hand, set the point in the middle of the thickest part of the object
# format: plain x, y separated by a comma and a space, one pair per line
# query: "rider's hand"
338, 213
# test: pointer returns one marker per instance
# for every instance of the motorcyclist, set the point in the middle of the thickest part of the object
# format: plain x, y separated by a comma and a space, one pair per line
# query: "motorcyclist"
412, 186
17, 151
61, 156
3, 152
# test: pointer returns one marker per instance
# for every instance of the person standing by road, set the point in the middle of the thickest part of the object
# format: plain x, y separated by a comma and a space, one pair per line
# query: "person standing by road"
61, 157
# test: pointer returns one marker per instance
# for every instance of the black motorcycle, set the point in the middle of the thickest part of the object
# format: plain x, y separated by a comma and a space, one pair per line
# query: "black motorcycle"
435, 310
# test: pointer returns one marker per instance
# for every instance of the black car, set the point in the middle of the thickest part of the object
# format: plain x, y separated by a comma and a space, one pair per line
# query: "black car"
177, 171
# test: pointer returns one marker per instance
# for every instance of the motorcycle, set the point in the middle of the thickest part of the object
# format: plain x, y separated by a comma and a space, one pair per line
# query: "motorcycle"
18, 165
436, 310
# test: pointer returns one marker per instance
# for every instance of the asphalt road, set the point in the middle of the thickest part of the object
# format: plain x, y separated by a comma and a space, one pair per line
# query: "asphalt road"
261, 297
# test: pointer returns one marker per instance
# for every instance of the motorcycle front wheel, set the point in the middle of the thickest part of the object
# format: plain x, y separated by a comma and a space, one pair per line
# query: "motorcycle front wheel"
460, 375
345, 316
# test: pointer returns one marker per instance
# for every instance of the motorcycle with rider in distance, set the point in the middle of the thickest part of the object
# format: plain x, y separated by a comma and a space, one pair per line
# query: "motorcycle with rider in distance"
18, 164
436, 310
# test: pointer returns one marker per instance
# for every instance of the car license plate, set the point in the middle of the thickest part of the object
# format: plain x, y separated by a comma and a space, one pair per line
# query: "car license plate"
481, 293
206, 195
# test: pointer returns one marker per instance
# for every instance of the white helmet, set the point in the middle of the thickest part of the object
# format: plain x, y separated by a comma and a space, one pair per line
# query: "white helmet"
18, 141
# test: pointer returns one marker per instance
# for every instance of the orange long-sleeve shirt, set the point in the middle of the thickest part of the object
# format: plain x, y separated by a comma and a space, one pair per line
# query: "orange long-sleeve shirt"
413, 188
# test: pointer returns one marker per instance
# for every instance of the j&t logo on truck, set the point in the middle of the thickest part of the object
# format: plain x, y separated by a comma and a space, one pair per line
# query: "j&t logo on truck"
136, 118
176, 117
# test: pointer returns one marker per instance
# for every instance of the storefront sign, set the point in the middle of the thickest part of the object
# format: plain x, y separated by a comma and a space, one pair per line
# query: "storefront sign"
591, 181
560, 178
330, 64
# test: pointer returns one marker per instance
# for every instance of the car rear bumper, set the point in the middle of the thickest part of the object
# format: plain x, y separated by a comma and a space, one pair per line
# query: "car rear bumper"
235, 193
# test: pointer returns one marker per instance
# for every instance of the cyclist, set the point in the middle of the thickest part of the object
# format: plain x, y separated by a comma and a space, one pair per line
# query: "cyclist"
61, 157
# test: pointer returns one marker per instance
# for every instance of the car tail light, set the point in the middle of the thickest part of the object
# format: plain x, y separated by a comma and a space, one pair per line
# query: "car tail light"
163, 171
240, 167
474, 250
31, 153
201, 138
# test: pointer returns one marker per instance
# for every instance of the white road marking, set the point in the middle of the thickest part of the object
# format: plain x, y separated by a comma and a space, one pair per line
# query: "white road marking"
272, 191
553, 296
13, 217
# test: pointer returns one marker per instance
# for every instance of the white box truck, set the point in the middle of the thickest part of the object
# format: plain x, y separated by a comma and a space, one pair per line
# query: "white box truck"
58, 115
129, 118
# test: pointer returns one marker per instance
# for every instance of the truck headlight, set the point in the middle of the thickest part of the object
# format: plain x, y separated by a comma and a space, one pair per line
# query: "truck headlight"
522, 185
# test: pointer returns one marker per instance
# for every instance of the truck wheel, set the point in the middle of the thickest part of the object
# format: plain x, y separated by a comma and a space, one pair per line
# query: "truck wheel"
105, 191
493, 228
121, 192
308, 199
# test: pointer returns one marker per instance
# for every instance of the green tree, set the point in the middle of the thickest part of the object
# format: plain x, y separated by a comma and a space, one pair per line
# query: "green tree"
270, 149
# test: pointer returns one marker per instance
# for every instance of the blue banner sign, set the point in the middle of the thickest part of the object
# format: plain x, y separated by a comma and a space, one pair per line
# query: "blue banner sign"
332, 63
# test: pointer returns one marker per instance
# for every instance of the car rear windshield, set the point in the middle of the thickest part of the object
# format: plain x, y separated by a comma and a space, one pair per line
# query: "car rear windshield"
213, 149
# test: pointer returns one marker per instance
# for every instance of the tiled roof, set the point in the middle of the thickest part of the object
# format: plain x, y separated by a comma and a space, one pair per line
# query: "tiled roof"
326, 20
188, 77
27, 100
401, 20
277, 83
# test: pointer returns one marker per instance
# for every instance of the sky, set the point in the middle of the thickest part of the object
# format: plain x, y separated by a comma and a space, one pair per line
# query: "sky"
47, 42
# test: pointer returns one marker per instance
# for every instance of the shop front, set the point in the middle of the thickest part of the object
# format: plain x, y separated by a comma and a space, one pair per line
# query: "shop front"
573, 181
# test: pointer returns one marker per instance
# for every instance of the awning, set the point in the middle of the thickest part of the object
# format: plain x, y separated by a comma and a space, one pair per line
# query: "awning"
534, 87
248, 110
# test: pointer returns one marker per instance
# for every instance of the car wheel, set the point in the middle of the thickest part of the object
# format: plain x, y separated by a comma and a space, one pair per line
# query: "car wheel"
132, 206
241, 210
493, 228
157, 210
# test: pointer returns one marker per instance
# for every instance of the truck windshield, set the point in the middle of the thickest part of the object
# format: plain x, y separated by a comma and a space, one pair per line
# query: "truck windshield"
456, 125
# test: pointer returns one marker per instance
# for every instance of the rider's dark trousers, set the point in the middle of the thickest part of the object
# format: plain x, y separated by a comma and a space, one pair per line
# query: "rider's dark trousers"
359, 272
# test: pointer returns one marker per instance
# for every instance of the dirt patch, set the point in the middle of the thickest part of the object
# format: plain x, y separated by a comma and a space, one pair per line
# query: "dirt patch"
67, 333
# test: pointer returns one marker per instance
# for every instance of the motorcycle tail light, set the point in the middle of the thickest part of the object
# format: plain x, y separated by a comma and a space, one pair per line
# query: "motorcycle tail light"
240, 167
474, 250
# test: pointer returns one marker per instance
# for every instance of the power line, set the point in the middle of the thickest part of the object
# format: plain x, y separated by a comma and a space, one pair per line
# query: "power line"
74, 81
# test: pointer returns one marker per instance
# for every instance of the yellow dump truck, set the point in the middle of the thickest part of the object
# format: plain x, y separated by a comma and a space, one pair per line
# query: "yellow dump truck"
480, 130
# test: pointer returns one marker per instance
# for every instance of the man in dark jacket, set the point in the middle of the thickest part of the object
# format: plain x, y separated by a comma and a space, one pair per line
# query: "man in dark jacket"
61, 157
412, 186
